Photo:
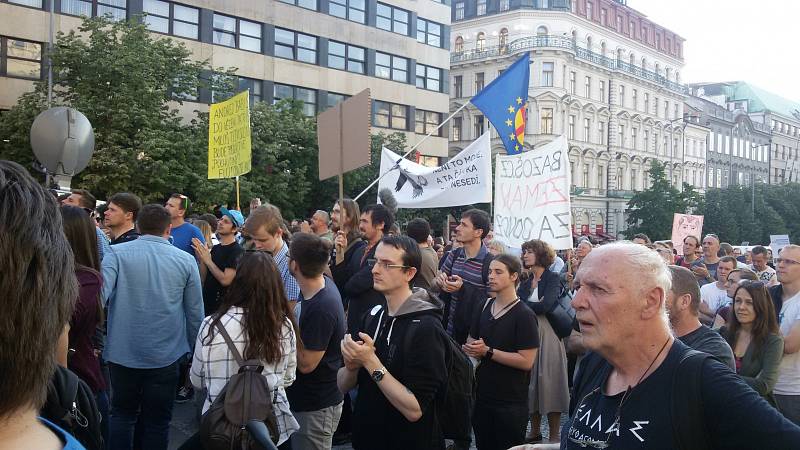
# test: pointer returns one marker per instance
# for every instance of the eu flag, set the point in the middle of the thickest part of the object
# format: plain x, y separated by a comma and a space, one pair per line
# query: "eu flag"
504, 102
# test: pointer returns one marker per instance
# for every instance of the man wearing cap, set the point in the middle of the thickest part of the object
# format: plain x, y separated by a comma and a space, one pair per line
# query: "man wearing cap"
218, 266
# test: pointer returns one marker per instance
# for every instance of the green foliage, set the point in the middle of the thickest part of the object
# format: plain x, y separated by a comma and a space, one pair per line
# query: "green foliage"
651, 211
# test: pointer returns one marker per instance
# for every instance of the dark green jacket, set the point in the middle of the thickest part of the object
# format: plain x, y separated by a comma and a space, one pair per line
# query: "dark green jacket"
760, 368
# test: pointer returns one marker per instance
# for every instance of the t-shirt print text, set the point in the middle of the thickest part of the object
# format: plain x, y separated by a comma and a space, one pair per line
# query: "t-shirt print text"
589, 427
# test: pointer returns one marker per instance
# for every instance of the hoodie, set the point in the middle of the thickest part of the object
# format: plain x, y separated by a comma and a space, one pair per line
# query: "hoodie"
419, 365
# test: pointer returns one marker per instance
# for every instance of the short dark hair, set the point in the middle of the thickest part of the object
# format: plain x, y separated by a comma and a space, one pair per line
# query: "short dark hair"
697, 242
759, 250
643, 237
38, 284
87, 199
380, 214
129, 203
311, 253
153, 219
728, 259
545, 255
412, 257
480, 220
418, 229
684, 282
212, 220
512, 263
725, 248
185, 202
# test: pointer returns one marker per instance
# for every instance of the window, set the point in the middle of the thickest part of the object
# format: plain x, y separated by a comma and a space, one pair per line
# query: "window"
622, 95
308, 97
481, 7
634, 98
601, 177
541, 31
392, 19
255, 89
666, 109
503, 41
478, 82
547, 74
571, 127
655, 110
297, 46
224, 30
603, 16
546, 121
171, 18
601, 130
480, 43
31, 3
390, 115
587, 130
619, 24
352, 10
334, 99
634, 185
646, 140
585, 178
427, 121
308, 4
459, 10
237, 33
346, 57
429, 32
458, 47
429, 78
587, 87
458, 86
504, 4
602, 91
391, 67
457, 124
621, 135
572, 83
589, 10
21, 59
92, 8
646, 102
478, 126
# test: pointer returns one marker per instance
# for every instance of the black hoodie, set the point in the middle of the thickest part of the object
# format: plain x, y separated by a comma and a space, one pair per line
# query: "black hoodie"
376, 423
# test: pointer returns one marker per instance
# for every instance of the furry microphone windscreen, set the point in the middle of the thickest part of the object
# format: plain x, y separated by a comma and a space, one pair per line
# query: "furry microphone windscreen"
387, 199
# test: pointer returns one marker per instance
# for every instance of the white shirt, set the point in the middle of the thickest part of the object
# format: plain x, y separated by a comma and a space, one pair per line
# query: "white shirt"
767, 275
789, 370
713, 296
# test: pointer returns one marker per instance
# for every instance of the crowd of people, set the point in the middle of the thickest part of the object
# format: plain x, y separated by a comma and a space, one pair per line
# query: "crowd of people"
357, 326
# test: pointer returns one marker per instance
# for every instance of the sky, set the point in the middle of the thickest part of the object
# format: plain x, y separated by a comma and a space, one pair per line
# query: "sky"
731, 40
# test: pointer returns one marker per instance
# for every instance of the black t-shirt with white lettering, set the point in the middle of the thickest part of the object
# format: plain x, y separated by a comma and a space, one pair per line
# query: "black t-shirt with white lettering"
224, 257
736, 417
515, 330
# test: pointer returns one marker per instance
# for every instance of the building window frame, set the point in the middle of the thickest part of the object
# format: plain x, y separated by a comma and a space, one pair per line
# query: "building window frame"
96, 8
309, 107
350, 59
427, 121
430, 78
177, 19
394, 114
397, 20
352, 10
5, 57
396, 70
548, 73
429, 32
459, 14
303, 4
546, 121
480, 82
295, 47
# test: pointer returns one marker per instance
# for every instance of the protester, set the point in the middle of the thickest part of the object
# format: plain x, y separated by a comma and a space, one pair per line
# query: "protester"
218, 265
665, 252
724, 314
182, 232
319, 225
641, 239
462, 273
683, 308
120, 217
504, 338
397, 387
627, 387
690, 246
84, 199
420, 231
548, 392
315, 399
755, 338
495, 247
705, 268
348, 248
206, 231
787, 299
39, 287
714, 296
155, 306
581, 251
726, 249
258, 318
361, 295
88, 312
760, 257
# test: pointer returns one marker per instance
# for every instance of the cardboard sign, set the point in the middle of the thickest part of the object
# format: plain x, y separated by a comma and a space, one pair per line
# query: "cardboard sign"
686, 225
229, 146
777, 242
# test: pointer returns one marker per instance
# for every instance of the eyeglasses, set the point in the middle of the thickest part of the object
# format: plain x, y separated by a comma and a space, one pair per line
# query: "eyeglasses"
385, 265
790, 262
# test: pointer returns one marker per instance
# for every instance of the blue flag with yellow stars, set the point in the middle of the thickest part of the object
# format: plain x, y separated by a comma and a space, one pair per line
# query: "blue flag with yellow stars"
504, 102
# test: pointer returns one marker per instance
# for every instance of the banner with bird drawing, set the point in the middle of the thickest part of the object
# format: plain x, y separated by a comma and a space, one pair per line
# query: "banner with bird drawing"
463, 180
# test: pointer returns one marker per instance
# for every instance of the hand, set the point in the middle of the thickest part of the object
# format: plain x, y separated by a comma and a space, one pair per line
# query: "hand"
476, 349
453, 283
700, 271
359, 353
568, 277
202, 252
305, 227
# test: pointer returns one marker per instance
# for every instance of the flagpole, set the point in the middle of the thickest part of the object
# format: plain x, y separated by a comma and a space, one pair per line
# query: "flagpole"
413, 148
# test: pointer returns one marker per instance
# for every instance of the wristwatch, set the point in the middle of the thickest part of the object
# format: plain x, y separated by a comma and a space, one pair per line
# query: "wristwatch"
378, 374
489, 353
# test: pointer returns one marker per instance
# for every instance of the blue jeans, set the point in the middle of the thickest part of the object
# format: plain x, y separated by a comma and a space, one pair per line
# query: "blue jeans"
146, 395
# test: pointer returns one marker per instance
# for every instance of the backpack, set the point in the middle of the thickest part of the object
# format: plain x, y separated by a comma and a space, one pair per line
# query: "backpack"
245, 397
453, 405
689, 431
71, 406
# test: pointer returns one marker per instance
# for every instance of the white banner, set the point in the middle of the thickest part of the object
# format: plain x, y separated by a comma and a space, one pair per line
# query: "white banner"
464, 180
531, 198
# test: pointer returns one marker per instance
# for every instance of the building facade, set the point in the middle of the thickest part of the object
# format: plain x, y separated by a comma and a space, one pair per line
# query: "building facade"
602, 74
315, 51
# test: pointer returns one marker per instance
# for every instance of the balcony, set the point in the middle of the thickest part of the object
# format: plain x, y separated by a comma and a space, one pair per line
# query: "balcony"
626, 194
562, 42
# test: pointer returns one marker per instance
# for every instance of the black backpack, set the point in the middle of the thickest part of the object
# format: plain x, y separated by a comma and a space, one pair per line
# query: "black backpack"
71, 405
245, 397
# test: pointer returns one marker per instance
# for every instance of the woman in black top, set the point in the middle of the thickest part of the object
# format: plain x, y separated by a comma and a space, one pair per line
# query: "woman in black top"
504, 338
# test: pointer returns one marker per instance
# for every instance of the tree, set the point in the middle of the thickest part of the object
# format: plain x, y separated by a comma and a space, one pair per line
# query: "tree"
651, 211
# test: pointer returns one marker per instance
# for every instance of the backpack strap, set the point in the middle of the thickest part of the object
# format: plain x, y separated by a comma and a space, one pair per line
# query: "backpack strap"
229, 342
687, 413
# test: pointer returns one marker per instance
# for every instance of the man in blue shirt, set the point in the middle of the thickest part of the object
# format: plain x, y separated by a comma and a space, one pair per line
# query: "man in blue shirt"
182, 232
155, 306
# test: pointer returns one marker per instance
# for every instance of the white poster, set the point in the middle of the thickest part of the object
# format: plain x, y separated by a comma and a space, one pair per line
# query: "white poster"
777, 242
531, 199
464, 180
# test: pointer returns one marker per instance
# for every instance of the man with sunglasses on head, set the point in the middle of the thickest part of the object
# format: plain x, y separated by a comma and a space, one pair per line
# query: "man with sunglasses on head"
182, 232
786, 297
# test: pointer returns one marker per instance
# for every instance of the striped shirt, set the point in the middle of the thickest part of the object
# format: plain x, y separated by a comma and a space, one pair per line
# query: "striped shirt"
469, 269
213, 365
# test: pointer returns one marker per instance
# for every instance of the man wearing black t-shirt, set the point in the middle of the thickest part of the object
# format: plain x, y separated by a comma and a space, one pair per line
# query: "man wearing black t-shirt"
120, 217
218, 266
504, 338
314, 397
624, 392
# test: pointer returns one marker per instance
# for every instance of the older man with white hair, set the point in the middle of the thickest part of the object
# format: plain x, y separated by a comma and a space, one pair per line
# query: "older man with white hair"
641, 387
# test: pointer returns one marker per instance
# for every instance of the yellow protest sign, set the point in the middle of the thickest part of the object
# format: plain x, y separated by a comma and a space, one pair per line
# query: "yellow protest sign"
229, 148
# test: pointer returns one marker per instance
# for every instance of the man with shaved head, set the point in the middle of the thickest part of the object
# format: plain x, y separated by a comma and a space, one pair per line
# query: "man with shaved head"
319, 225
625, 387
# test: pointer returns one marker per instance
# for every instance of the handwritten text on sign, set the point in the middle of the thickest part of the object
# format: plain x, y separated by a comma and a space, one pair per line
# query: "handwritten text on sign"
229, 147
532, 196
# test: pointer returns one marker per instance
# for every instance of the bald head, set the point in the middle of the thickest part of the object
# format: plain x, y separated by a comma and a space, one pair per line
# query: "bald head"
637, 263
